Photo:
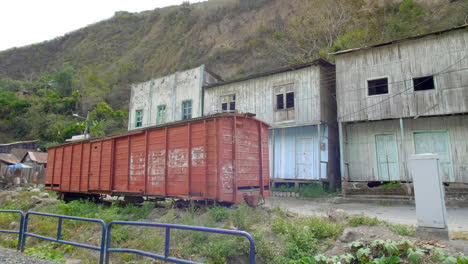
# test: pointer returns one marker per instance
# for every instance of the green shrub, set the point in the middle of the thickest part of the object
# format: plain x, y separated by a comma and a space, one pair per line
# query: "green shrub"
218, 213
322, 228
47, 251
244, 217
402, 230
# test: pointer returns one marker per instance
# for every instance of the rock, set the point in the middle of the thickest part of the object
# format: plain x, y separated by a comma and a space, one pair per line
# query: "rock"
29, 188
35, 190
349, 236
36, 199
44, 195
19, 189
13, 225
74, 261
337, 215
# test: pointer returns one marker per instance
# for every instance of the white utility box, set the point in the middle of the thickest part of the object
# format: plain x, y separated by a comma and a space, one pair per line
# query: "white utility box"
428, 191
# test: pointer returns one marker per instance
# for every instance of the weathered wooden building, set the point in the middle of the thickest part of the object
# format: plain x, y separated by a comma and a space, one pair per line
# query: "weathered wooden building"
178, 96
299, 104
400, 98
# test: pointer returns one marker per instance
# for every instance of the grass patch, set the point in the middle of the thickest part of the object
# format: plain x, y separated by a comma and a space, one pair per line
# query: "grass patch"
218, 213
363, 220
390, 185
305, 190
402, 230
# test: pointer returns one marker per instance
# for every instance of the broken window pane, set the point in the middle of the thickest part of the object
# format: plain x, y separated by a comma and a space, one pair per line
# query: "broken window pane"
378, 86
423, 83
279, 101
290, 100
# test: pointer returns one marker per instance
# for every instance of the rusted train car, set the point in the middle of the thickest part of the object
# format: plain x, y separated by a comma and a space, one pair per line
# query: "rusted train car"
222, 157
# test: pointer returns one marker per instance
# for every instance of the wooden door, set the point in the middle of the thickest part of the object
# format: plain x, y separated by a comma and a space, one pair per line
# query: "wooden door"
436, 142
304, 158
388, 167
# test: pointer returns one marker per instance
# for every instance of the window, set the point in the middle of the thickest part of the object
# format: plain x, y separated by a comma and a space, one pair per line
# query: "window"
423, 83
377, 86
290, 100
281, 104
186, 109
161, 114
279, 101
138, 118
228, 103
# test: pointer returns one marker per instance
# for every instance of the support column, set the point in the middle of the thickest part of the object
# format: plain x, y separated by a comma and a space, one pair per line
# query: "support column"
344, 180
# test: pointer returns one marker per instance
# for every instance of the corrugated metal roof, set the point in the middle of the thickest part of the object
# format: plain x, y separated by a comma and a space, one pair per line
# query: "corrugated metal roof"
8, 158
39, 157
400, 40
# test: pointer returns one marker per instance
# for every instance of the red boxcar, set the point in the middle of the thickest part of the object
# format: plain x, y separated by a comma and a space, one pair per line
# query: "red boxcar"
222, 157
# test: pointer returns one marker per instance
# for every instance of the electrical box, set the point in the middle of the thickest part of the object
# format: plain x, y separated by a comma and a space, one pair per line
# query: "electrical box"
428, 191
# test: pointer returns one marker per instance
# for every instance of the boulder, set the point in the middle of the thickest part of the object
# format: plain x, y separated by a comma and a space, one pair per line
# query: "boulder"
44, 195
36, 199
35, 190
349, 236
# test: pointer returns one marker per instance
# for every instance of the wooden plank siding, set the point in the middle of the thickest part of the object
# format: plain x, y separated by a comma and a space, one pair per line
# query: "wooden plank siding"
258, 96
443, 55
361, 145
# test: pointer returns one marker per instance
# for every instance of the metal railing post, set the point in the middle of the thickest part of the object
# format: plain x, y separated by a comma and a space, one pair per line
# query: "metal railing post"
20, 229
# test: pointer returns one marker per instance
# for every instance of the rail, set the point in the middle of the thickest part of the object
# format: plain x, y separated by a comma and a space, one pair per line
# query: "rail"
168, 228
59, 232
20, 230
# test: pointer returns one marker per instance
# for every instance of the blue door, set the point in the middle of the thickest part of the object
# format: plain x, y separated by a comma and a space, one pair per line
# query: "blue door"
436, 142
387, 157
304, 158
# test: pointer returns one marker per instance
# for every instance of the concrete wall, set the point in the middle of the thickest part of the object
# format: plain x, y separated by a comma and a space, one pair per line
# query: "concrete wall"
170, 91
443, 55
360, 145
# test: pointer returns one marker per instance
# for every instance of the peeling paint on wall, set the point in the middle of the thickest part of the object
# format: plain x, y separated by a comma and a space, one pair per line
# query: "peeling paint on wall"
227, 172
198, 156
137, 166
156, 167
178, 158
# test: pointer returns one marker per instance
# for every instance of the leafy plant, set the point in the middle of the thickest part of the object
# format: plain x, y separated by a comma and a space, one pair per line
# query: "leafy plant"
414, 255
363, 220
218, 213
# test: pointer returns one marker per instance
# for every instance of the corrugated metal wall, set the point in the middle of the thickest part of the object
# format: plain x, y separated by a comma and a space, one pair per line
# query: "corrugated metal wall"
361, 149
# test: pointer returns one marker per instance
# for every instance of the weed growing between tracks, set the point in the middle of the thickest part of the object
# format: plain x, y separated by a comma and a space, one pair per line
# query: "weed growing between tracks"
280, 236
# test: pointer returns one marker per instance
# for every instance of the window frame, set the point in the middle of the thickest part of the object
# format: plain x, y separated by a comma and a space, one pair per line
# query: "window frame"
183, 109
434, 83
228, 102
374, 79
138, 114
159, 118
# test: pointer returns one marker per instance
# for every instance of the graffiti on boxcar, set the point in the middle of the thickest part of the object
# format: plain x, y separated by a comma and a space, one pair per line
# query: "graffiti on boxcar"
156, 166
178, 158
198, 156
226, 177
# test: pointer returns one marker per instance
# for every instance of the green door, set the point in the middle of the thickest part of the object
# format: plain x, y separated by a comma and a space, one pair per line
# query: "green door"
387, 157
436, 142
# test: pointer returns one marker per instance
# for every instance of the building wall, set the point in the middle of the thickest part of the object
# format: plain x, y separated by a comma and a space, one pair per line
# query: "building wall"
290, 146
443, 55
360, 145
258, 96
169, 90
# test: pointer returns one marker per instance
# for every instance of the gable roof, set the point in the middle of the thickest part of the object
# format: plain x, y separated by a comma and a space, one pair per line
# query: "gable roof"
288, 68
38, 157
8, 158
465, 26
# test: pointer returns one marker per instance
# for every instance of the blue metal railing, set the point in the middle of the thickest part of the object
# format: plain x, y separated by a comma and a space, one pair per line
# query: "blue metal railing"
59, 232
168, 228
20, 229
105, 247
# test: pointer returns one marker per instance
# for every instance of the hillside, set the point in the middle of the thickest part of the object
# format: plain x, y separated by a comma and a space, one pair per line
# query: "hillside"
233, 38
